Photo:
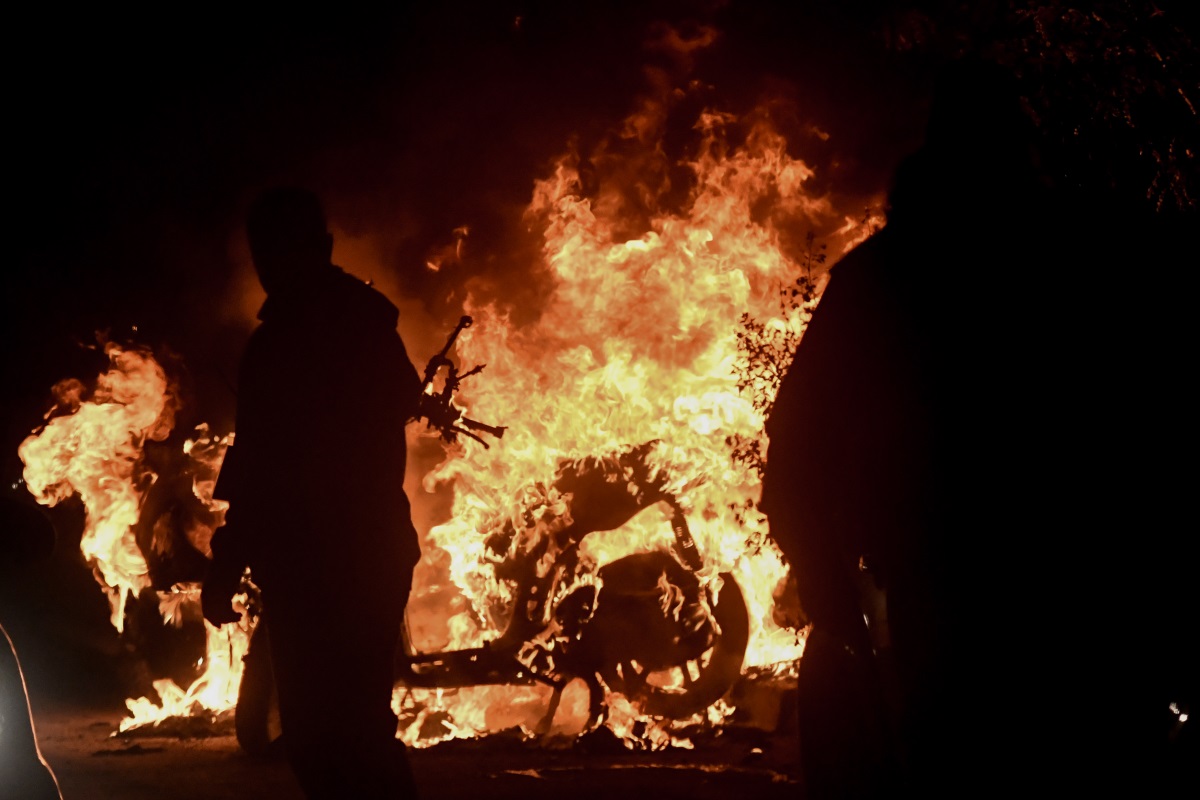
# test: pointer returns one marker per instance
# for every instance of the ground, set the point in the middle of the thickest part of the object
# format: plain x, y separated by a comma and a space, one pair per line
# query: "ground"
205, 763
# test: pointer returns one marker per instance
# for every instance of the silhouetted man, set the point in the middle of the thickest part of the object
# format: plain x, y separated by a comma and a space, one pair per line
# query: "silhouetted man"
919, 433
317, 507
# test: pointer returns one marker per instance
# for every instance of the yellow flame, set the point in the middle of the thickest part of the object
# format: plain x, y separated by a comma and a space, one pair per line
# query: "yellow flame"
216, 689
637, 342
95, 450
95, 453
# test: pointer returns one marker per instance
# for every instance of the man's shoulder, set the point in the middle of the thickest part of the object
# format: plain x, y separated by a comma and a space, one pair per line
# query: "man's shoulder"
360, 300
336, 299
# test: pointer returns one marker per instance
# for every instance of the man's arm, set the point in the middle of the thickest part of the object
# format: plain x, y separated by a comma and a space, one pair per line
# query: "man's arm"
222, 582
228, 545
230, 542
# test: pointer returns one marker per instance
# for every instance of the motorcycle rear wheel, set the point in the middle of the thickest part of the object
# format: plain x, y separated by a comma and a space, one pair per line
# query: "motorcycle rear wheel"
688, 688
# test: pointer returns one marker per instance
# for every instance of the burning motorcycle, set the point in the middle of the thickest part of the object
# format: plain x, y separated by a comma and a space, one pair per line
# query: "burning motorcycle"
654, 626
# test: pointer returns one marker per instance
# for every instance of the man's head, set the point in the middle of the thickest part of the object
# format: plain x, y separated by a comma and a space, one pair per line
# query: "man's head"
288, 236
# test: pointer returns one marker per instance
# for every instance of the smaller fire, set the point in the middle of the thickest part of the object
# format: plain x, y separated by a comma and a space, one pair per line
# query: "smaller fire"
93, 446
216, 690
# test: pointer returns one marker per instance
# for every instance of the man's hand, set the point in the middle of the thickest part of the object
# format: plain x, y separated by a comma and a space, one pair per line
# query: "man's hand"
216, 601
216, 595
224, 578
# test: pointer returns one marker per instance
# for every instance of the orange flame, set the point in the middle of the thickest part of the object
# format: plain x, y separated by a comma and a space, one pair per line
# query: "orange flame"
95, 452
93, 448
637, 342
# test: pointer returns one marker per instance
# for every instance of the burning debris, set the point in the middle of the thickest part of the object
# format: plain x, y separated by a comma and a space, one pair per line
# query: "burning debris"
642, 626
437, 406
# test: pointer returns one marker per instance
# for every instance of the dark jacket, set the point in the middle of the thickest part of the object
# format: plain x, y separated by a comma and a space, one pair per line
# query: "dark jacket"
315, 475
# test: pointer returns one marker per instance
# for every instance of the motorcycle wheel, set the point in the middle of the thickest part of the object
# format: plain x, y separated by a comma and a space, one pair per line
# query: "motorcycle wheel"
691, 687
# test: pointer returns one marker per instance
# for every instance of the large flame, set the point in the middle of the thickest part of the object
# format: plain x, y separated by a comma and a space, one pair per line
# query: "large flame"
638, 341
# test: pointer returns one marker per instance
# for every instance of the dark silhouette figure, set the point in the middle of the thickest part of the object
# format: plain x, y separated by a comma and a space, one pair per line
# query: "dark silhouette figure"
25, 535
317, 509
934, 436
